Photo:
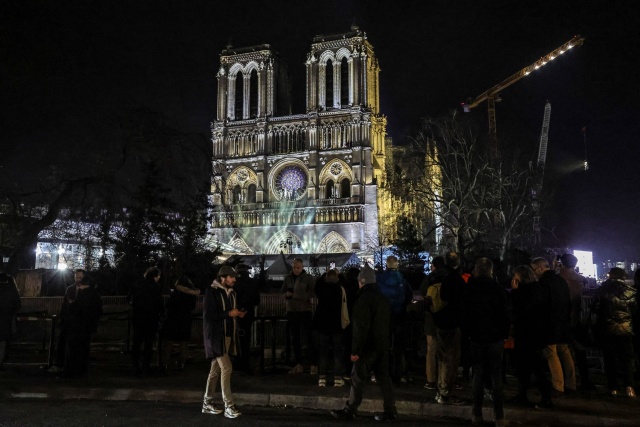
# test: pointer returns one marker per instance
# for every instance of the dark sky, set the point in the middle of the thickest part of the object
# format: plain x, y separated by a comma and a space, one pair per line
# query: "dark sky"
66, 63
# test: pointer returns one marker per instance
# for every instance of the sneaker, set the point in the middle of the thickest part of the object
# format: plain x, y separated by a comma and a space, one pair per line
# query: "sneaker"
430, 386
614, 393
313, 370
209, 408
442, 400
339, 382
386, 416
54, 370
455, 402
403, 380
298, 369
630, 392
458, 386
231, 412
322, 382
488, 394
342, 414
503, 422
373, 379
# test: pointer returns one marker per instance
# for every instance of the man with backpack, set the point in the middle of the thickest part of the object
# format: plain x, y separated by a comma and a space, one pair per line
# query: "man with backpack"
396, 289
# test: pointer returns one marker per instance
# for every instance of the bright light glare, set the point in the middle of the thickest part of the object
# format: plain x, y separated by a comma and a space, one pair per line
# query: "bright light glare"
62, 266
60, 250
585, 263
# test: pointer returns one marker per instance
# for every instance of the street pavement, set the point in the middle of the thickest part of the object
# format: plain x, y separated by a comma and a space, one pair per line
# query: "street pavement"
110, 379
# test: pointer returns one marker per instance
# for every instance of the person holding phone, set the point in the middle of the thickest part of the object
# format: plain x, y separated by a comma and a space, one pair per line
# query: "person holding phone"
219, 318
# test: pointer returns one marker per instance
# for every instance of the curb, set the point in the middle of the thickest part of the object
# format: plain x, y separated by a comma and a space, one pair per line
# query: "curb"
430, 410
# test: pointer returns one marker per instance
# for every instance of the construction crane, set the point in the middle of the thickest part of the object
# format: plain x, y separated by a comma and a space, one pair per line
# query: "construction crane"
493, 94
542, 160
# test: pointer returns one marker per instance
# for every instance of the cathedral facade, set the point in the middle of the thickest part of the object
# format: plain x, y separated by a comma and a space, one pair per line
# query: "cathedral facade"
299, 183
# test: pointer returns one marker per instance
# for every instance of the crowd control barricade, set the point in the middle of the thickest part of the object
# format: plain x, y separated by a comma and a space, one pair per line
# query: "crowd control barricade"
35, 331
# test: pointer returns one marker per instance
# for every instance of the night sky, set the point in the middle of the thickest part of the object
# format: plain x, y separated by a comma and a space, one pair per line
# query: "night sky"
66, 66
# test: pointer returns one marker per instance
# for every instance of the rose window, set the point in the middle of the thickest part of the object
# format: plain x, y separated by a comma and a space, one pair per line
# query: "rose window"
336, 168
291, 183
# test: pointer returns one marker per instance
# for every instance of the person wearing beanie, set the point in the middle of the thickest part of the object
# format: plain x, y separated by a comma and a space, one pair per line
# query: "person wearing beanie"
370, 348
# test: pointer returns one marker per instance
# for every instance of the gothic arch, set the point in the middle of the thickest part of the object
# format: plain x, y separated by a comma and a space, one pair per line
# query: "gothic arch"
242, 176
333, 242
275, 243
233, 71
343, 52
240, 244
335, 173
326, 56
250, 66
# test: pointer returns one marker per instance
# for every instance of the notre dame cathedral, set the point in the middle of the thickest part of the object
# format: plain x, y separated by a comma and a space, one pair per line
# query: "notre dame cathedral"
299, 183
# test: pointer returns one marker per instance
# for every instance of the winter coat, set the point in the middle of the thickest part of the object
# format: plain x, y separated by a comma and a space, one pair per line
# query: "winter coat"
486, 316
327, 317
528, 311
84, 312
247, 295
557, 309
576, 284
216, 323
452, 292
615, 305
147, 304
303, 291
9, 306
370, 320
176, 324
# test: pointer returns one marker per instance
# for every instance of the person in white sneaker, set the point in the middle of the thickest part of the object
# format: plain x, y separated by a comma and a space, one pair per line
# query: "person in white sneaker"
219, 314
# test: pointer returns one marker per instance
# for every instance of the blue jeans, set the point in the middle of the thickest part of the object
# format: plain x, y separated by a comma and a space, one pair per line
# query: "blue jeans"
487, 358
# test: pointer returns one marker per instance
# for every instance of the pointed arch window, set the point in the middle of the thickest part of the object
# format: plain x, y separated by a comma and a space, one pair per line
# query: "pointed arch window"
329, 87
239, 101
251, 193
344, 82
237, 194
330, 190
253, 94
345, 188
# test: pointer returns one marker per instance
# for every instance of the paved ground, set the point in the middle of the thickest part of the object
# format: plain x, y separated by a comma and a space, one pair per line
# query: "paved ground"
110, 380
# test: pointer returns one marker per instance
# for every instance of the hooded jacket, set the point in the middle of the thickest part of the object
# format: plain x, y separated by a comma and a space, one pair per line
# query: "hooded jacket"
303, 291
216, 323
616, 304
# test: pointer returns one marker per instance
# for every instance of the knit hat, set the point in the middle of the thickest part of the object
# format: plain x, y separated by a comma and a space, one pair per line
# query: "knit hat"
367, 274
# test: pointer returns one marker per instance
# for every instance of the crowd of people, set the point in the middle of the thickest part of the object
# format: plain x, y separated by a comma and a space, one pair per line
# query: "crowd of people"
356, 332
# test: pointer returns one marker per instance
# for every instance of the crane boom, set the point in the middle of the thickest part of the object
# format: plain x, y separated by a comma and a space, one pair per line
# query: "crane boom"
491, 94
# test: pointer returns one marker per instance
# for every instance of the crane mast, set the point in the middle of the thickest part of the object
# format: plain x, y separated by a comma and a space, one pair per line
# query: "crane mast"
491, 95
544, 137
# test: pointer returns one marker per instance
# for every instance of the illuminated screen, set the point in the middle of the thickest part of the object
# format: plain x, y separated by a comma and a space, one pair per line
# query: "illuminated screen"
585, 263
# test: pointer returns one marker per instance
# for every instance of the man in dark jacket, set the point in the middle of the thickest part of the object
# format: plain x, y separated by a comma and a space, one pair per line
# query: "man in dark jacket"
327, 321
9, 307
486, 322
436, 276
370, 348
298, 289
219, 328
147, 307
83, 314
447, 321
398, 292
248, 298
558, 316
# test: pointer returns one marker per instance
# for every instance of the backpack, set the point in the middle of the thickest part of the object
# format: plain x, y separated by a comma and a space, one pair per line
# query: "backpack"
393, 288
436, 301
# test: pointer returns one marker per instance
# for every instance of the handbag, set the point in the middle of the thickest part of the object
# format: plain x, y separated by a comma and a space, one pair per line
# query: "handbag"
344, 313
